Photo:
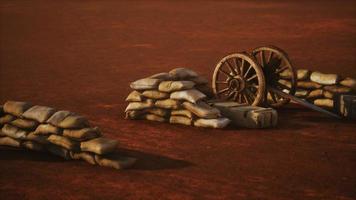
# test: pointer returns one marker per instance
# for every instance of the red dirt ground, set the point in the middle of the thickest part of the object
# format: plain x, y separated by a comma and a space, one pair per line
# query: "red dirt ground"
81, 56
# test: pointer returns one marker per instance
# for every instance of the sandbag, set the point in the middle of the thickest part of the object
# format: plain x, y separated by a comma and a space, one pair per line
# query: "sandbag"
168, 104
308, 85
86, 156
182, 112
6, 119
199, 80
301, 93
180, 120
140, 105
99, 145
346, 106
286, 74
337, 89
161, 76
14, 132
82, 134
202, 110
248, 116
152, 117
349, 82
115, 161
171, 86
134, 114
135, 96
327, 103
303, 74
285, 83
39, 113
25, 123
42, 139
325, 79
47, 129
315, 94
158, 111
58, 117
329, 95
154, 94
8, 141
34, 146
63, 142
212, 123
145, 84
182, 73
16, 108
59, 151
74, 121
191, 95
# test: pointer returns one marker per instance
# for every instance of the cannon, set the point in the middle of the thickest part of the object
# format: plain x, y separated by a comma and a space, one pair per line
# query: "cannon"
255, 79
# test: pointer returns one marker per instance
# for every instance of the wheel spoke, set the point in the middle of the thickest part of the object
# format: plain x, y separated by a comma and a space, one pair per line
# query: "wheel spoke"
273, 97
235, 96
248, 70
245, 97
281, 69
230, 94
250, 94
270, 56
221, 82
230, 67
242, 66
263, 58
283, 86
237, 66
252, 77
240, 98
223, 91
227, 74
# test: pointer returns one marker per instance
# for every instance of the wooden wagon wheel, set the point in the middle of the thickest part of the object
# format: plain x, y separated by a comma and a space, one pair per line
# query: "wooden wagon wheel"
279, 74
238, 77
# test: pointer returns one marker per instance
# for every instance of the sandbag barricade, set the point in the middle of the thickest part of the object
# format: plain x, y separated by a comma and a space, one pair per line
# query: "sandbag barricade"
177, 97
62, 133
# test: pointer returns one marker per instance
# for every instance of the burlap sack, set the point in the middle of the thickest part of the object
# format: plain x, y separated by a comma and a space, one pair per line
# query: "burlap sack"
158, 111
16, 108
303, 74
25, 123
135, 96
301, 93
152, 117
171, 86
59, 151
212, 123
308, 85
63, 142
286, 74
180, 120
58, 117
47, 129
34, 146
182, 74
115, 161
168, 104
82, 134
182, 112
39, 113
191, 95
327, 103
99, 145
86, 156
285, 82
14, 132
42, 139
154, 94
337, 89
149, 103
8, 141
325, 79
74, 121
202, 110
134, 114
329, 95
199, 80
6, 119
349, 82
315, 94
145, 84
162, 76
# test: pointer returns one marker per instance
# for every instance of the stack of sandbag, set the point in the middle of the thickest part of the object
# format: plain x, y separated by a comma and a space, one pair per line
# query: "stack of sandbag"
177, 97
61, 133
318, 88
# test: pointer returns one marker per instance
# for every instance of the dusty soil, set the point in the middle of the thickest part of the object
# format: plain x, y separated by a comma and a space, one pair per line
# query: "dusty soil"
81, 55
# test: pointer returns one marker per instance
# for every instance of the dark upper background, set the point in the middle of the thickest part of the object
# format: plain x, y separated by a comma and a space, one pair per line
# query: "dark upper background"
81, 56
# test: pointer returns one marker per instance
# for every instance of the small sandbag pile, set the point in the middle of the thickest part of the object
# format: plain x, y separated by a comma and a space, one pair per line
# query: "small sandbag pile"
62, 133
320, 89
177, 97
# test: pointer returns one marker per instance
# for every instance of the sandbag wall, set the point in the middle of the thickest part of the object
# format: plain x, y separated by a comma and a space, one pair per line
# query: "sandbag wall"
61, 133
176, 97
320, 89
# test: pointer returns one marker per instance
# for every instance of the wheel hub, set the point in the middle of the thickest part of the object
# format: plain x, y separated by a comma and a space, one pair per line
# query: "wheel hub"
236, 84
